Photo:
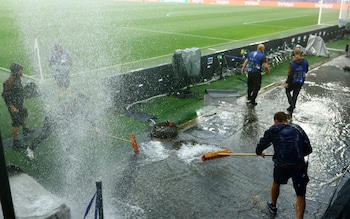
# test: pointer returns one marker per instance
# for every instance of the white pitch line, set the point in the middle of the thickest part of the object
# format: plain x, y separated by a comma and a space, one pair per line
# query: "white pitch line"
277, 19
180, 34
127, 63
171, 14
263, 25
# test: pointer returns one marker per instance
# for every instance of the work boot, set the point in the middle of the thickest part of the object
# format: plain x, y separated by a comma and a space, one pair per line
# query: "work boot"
27, 131
290, 109
271, 208
30, 153
16, 144
252, 103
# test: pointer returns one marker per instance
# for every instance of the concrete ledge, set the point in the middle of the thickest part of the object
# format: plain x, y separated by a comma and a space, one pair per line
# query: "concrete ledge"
32, 200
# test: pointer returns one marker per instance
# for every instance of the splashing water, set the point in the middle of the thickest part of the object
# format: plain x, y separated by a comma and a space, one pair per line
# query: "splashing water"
154, 151
193, 153
82, 29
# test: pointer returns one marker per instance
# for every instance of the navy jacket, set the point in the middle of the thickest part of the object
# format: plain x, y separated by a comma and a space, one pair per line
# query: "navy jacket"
288, 142
298, 67
255, 61
13, 91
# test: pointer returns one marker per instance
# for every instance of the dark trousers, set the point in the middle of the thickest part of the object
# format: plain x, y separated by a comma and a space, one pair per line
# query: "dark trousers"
254, 84
292, 94
18, 118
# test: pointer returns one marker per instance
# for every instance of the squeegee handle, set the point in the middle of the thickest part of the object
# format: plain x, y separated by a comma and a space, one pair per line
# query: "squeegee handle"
242, 154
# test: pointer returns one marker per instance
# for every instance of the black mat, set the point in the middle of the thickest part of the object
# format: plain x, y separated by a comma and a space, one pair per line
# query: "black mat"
139, 115
8, 142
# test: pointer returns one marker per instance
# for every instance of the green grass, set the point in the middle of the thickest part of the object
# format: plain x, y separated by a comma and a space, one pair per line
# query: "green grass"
9, 37
106, 34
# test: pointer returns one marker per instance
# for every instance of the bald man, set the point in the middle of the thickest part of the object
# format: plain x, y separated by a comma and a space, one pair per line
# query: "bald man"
255, 64
297, 70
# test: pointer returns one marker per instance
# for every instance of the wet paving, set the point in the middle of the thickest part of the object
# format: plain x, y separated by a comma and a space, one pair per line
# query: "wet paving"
172, 182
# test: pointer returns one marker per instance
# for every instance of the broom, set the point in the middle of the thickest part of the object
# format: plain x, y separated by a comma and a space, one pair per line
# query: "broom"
132, 139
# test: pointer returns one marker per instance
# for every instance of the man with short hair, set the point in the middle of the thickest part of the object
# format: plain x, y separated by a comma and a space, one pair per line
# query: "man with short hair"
255, 63
13, 95
297, 70
290, 144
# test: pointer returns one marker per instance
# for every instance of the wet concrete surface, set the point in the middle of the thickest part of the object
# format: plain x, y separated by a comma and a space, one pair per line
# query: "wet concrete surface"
173, 182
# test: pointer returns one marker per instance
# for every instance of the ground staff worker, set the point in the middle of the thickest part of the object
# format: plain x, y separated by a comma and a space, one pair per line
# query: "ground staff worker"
255, 63
298, 67
60, 63
13, 94
290, 144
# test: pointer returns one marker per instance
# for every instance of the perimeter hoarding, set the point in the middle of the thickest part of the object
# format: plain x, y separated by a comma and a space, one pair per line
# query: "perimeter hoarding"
285, 4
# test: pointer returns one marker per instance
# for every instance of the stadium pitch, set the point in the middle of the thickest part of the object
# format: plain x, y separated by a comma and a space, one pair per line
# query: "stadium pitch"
107, 35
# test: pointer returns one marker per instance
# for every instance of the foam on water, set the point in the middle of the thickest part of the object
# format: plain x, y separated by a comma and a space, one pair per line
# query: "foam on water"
193, 153
154, 151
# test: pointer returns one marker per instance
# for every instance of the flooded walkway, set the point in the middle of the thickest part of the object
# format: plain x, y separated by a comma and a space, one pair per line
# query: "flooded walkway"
172, 182
168, 179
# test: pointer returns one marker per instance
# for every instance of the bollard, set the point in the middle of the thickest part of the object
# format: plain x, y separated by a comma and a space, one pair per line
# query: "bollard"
5, 191
99, 202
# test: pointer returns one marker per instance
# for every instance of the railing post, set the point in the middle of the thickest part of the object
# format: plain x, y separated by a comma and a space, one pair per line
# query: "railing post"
99, 201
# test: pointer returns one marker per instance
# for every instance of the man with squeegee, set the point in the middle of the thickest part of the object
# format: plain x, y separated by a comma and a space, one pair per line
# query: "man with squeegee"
290, 144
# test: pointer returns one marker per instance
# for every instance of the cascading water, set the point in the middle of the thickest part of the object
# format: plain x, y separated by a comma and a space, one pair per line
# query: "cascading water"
81, 28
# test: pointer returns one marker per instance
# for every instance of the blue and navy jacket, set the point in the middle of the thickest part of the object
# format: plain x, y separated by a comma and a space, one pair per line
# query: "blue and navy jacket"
288, 141
255, 61
297, 71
